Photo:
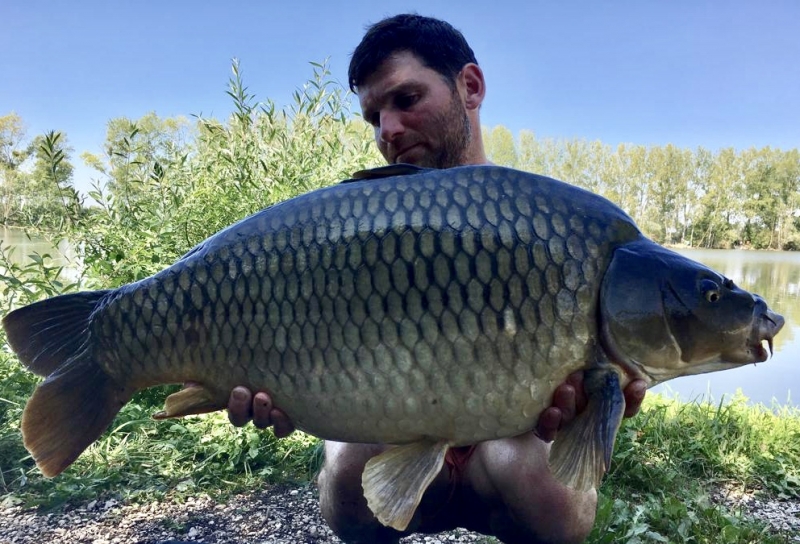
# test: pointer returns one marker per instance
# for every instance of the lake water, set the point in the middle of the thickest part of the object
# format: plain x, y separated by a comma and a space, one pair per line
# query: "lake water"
773, 275
61, 254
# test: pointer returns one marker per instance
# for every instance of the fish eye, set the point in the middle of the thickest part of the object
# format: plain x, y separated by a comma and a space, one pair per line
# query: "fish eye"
710, 290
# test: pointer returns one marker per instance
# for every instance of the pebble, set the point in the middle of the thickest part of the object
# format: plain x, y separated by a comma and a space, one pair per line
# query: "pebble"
278, 515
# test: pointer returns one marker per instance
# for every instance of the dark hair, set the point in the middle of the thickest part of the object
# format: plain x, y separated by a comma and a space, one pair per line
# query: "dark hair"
436, 43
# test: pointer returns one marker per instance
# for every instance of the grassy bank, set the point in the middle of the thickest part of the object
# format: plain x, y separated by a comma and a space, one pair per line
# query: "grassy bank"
667, 461
672, 456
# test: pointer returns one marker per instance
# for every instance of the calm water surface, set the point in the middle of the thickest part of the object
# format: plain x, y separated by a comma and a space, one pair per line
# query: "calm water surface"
61, 254
773, 275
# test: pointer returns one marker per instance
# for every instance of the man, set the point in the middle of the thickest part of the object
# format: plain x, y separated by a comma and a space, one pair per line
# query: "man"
420, 87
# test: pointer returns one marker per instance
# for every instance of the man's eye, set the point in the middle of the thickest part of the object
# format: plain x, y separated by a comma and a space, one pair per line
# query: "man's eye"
405, 101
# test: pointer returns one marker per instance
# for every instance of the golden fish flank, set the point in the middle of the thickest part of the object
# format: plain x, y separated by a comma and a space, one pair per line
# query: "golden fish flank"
428, 310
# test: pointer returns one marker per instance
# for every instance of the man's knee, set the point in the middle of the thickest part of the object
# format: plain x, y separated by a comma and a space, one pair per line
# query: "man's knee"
341, 498
575, 518
567, 518
529, 504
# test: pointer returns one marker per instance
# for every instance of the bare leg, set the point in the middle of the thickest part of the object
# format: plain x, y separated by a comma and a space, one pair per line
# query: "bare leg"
506, 491
341, 498
522, 502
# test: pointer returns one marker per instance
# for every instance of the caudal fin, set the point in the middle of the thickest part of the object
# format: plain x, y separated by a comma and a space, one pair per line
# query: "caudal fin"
47, 333
77, 402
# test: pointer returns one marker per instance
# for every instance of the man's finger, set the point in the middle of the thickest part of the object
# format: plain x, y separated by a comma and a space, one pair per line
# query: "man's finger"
282, 426
549, 422
564, 399
581, 400
239, 405
634, 395
262, 410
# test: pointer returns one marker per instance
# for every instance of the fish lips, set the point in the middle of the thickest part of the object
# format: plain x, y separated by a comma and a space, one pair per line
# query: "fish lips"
766, 324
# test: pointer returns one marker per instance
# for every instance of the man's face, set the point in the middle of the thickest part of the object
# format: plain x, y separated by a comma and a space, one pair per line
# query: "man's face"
418, 118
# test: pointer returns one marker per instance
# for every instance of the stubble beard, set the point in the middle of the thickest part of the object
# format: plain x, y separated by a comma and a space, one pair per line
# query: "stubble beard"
456, 136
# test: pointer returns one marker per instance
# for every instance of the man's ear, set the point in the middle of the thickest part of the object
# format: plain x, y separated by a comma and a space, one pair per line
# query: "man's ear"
474, 86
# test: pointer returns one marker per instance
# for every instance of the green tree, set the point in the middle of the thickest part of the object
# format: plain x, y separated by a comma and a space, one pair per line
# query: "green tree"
40, 195
14, 151
670, 170
787, 172
133, 148
720, 186
622, 176
573, 163
540, 156
678, 195
52, 199
771, 185
500, 147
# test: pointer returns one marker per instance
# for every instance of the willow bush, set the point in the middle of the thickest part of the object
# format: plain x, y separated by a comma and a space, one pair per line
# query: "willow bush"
158, 203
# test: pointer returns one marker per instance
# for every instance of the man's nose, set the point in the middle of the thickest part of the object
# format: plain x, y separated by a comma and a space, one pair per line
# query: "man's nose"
391, 126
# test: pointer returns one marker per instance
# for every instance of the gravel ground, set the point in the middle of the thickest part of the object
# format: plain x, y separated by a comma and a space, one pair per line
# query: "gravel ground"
280, 515
781, 515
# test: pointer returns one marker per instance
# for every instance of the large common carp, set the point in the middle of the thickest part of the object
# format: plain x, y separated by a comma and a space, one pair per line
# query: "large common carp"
430, 309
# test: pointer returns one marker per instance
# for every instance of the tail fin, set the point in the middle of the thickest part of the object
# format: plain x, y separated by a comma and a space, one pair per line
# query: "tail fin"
78, 400
46, 333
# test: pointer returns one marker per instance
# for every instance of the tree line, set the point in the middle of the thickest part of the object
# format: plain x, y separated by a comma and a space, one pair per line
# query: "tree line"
698, 198
163, 184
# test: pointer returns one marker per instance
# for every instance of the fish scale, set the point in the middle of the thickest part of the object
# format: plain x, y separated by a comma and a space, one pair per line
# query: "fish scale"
425, 268
430, 309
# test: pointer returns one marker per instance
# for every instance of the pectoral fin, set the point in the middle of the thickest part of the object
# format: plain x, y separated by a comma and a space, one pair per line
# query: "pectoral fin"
395, 480
581, 453
195, 399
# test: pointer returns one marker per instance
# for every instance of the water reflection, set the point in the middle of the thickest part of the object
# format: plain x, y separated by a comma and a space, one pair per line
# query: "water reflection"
776, 277
26, 245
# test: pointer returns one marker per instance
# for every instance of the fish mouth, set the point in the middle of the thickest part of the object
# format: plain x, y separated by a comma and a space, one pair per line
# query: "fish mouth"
766, 325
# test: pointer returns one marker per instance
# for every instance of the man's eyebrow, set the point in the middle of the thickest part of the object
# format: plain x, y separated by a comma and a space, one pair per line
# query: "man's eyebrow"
404, 87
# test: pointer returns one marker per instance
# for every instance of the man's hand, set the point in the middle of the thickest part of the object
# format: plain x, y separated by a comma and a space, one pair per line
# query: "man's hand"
243, 406
569, 400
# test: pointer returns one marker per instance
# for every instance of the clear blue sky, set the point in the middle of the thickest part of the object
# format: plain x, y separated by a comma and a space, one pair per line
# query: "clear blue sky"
687, 72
